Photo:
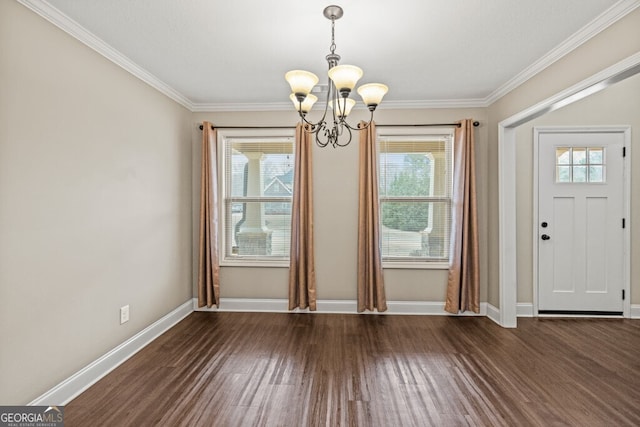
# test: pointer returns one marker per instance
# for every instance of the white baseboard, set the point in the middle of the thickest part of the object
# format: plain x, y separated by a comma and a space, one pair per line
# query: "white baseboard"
493, 313
247, 304
435, 308
524, 309
333, 306
70, 388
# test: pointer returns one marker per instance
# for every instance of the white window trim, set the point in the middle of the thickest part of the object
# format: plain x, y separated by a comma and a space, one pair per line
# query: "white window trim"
223, 139
408, 133
415, 265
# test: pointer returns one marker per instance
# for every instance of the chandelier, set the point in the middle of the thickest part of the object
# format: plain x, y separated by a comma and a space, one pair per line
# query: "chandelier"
342, 80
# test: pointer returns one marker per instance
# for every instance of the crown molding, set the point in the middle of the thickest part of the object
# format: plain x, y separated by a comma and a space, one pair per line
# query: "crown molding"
231, 107
388, 105
600, 23
71, 27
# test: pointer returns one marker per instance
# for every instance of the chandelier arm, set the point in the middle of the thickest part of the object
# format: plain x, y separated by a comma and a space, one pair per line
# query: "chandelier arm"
332, 96
330, 136
322, 122
340, 105
309, 128
357, 127
314, 126
338, 130
319, 142
360, 126
337, 141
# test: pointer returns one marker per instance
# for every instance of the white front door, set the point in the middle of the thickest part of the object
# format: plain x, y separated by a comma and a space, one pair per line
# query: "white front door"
580, 234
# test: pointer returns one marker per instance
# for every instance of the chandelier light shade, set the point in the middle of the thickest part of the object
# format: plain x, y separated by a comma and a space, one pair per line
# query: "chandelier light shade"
304, 106
345, 77
342, 79
372, 94
343, 106
301, 81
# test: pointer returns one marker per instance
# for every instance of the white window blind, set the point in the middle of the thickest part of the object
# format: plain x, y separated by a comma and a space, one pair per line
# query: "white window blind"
415, 185
256, 200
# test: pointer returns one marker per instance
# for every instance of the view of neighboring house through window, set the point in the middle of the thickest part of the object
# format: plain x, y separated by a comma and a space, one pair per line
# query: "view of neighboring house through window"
415, 184
256, 197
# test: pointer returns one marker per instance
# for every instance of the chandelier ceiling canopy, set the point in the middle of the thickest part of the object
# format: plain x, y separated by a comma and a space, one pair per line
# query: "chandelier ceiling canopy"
342, 80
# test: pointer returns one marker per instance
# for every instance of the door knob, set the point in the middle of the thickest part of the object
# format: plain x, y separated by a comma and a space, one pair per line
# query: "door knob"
545, 237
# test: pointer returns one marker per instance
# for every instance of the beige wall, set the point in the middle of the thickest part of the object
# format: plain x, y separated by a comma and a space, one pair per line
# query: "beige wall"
614, 44
617, 105
95, 196
336, 190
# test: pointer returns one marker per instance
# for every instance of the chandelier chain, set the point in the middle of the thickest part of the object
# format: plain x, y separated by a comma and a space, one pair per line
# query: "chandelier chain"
332, 48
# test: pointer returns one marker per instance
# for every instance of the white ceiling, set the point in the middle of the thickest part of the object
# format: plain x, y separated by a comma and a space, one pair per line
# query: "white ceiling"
232, 54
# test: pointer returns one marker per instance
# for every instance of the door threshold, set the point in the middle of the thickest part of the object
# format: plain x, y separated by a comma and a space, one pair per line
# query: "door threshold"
580, 313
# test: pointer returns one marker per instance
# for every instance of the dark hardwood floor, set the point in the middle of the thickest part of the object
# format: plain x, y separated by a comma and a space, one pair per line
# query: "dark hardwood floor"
273, 369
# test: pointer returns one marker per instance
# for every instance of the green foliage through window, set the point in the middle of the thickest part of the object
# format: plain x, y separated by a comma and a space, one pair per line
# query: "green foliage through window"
413, 179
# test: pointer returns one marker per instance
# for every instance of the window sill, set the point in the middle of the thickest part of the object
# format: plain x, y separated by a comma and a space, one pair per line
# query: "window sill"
416, 265
254, 263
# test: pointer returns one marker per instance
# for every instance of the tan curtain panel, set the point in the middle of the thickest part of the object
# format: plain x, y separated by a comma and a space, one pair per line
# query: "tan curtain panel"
371, 293
208, 262
463, 288
302, 273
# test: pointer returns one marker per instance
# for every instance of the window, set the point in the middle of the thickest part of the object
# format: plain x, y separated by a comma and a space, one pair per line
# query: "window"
580, 164
257, 188
415, 185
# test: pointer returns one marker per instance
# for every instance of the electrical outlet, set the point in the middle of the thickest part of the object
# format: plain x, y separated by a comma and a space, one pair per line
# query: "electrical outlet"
124, 314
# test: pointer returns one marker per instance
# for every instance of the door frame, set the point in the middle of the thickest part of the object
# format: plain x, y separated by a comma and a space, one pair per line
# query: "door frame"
626, 194
506, 314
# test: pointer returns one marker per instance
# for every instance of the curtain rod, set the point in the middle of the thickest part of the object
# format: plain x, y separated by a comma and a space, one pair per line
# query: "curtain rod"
475, 124
250, 127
